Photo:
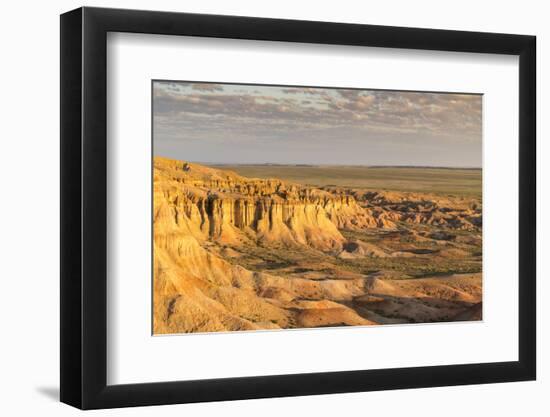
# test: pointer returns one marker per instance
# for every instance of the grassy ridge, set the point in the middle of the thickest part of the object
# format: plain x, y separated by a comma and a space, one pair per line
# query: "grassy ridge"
446, 181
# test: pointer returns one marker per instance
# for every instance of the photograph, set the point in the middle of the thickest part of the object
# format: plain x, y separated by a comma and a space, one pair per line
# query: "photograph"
292, 207
279, 204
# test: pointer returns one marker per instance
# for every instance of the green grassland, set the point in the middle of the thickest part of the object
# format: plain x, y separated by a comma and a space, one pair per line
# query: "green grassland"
448, 181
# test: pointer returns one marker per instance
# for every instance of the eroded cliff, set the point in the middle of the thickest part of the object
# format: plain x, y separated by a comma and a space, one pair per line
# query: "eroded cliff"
212, 204
236, 253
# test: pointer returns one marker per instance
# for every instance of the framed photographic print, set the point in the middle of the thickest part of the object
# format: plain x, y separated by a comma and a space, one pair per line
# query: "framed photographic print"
258, 208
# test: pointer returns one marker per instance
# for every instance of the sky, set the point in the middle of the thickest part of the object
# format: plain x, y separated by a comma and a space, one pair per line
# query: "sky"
253, 124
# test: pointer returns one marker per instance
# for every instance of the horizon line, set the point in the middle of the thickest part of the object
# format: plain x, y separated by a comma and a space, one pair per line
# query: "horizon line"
305, 164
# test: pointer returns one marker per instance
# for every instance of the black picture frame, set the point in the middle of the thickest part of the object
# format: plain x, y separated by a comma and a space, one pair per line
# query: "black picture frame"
84, 207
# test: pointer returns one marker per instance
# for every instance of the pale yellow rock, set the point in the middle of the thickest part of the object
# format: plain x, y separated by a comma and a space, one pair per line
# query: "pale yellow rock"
206, 219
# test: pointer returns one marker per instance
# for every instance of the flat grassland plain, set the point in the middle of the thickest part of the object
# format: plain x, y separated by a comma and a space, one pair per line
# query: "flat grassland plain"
249, 247
444, 181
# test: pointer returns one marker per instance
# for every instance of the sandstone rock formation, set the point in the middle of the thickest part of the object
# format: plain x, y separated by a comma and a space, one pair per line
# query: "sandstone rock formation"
294, 242
210, 204
458, 213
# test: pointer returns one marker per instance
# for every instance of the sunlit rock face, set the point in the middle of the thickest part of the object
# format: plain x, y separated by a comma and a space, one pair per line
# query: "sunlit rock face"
212, 204
233, 253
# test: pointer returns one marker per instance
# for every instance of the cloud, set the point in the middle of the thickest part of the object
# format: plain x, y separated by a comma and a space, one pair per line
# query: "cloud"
204, 110
206, 87
304, 90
